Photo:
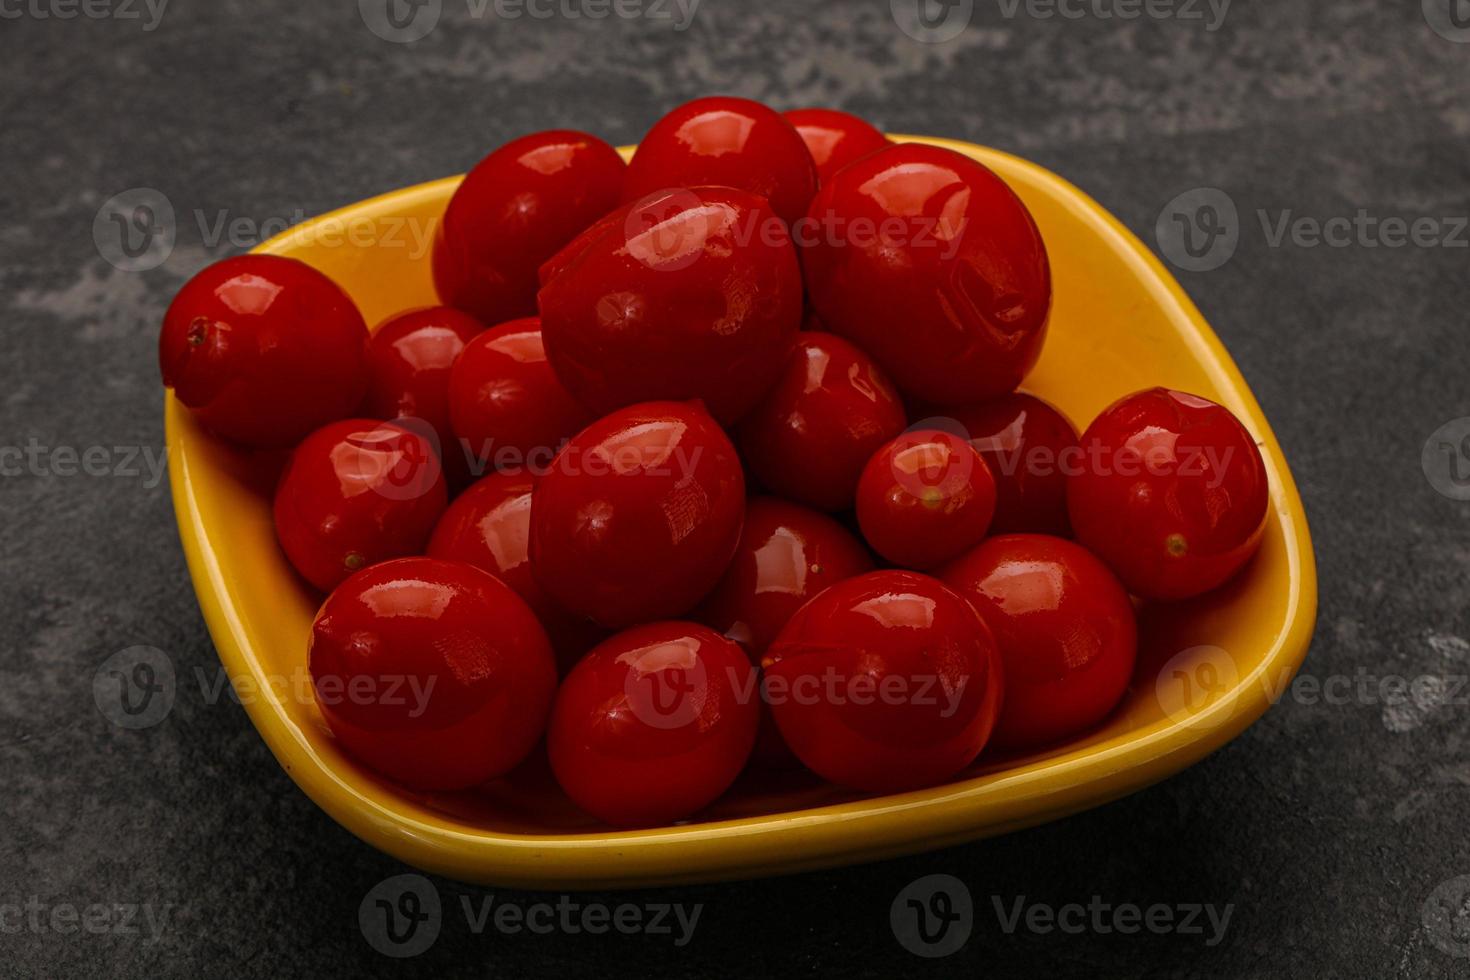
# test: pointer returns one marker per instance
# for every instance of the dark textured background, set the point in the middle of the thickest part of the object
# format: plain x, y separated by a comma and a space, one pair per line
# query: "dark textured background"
1327, 826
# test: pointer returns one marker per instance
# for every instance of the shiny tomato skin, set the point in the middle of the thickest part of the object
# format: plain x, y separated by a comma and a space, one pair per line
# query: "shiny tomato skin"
1028, 445
355, 493
727, 142
506, 405
465, 673
263, 350
410, 356
409, 361
695, 294
885, 682
830, 410
515, 210
834, 138
930, 263
654, 724
639, 515
787, 554
489, 526
1065, 628
1170, 491
924, 498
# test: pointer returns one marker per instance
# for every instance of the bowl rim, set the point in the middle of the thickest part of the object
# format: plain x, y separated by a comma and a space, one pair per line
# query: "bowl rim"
870, 828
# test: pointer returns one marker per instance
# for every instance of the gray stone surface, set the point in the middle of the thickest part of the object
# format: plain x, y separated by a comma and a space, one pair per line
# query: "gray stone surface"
1328, 827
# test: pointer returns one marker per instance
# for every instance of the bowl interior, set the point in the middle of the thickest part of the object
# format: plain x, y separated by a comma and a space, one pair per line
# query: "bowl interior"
1120, 323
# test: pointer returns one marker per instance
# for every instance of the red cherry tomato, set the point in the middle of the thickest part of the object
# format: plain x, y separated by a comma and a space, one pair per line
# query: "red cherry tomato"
515, 210
433, 673
787, 554
1027, 444
356, 493
1170, 490
830, 410
930, 263
1065, 629
409, 360
924, 498
885, 682
654, 724
489, 526
834, 138
263, 350
639, 515
507, 406
729, 142
696, 294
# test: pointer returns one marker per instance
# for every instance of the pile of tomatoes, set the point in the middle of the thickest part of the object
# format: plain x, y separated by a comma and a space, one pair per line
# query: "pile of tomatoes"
709, 461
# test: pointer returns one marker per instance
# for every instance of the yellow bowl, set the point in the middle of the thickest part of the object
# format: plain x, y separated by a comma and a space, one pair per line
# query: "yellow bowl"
1208, 668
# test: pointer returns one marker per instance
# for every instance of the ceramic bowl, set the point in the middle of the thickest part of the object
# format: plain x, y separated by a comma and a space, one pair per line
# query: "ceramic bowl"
1207, 668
